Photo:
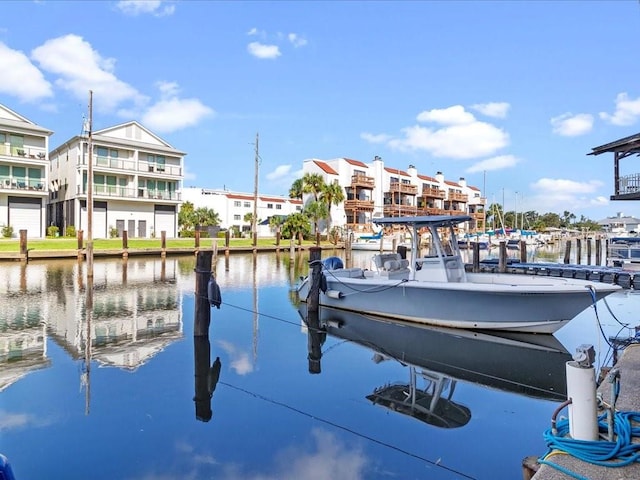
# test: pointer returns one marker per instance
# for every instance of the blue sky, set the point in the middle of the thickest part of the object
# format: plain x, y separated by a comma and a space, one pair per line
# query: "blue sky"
509, 95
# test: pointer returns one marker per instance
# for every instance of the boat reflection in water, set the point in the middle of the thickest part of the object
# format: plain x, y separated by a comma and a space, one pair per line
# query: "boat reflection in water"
437, 358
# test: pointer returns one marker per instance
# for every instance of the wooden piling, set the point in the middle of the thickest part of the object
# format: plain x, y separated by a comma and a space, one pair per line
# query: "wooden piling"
197, 239
23, 245
502, 257
347, 250
588, 251
315, 338
292, 249
163, 243
313, 300
567, 252
523, 251
202, 357
476, 257
125, 244
80, 244
578, 251
598, 251
202, 311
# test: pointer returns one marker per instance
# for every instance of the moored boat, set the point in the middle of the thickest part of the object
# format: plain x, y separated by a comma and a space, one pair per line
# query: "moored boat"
433, 287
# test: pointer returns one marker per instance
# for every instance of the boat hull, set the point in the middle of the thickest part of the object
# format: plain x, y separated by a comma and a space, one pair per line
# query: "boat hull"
507, 302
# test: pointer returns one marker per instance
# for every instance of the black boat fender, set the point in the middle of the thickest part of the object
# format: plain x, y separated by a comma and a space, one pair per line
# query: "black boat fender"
213, 292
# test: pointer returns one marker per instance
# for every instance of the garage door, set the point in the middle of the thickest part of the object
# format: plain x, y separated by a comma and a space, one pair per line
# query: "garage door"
165, 219
26, 214
99, 223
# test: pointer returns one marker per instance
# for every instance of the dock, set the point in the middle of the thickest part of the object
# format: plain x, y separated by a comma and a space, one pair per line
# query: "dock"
628, 401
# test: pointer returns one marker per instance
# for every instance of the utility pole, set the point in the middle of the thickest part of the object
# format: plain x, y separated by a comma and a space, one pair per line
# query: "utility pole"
254, 220
90, 189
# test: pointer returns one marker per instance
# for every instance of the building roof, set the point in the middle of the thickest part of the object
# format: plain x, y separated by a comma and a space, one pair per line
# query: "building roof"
325, 167
357, 163
396, 171
427, 178
628, 145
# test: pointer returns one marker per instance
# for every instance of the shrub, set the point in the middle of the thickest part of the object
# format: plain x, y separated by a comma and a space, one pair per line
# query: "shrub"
52, 231
7, 231
70, 231
113, 232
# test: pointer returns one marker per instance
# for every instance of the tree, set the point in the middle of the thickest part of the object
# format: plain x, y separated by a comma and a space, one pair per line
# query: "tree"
296, 224
186, 216
316, 211
312, 183
296, 189
205, 217
331, 194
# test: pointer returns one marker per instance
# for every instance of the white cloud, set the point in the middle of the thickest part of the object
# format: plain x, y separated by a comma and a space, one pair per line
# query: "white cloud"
455, 115
549, 193
494, 163
569, 125
472, 140
492, 109
157, 8
240, 360
626, 113
296, 40
260, 50
372, 138
62, 56
169, 115
20, 78
279, 172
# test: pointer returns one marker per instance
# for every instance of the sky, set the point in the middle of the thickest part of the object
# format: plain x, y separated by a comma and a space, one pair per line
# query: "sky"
510, 95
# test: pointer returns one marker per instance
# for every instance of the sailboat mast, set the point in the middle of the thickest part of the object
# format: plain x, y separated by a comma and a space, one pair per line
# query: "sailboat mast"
90, 189
254, 221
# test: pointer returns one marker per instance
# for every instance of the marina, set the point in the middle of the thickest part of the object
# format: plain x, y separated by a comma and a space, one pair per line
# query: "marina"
136, 394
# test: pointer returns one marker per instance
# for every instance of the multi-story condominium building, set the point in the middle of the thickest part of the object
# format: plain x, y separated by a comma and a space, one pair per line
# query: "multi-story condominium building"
373, 190
137, 180
232, 207
24, 174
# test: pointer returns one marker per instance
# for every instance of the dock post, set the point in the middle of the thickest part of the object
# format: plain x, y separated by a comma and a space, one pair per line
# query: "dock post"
578, 251
196, 236
202, 310
523, 251
292, 249
502, 257
588, 251
476, 257
567, 252
125, 244
598, 251
23, 245
347, 250
163, 243
313, 301
80, 244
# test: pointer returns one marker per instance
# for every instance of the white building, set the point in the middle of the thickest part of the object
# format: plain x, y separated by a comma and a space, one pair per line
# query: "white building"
232, 207
373, 191
137, 180
24, 174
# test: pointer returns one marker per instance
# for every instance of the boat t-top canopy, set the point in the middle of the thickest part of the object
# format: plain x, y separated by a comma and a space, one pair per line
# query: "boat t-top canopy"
424, 220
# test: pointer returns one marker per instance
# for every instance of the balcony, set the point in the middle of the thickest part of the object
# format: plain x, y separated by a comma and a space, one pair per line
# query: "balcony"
432, 192
431, 211
127, 164
628, 188
27, 153
361, 205
400, 210
457, 197
22, 184
108, 191
398, 187
362, 181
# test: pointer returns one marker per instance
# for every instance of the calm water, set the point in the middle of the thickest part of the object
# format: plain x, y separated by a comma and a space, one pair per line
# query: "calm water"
290, 402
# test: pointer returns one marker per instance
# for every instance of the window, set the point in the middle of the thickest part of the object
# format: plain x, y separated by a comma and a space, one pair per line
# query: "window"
278, 206
156, 161
269, 205
247, 204
236, 217
298, 208
35, 178
17, 144
236, 203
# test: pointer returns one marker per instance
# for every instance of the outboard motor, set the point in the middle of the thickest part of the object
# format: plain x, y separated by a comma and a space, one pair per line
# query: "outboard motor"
332, 263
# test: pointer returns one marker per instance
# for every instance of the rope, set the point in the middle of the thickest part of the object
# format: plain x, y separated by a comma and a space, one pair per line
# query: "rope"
619, 453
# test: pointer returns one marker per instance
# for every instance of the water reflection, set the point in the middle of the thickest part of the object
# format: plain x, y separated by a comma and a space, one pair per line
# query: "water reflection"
132, 312
437, 358
206, 377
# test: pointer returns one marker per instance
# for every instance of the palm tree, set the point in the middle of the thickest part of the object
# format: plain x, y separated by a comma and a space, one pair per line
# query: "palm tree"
296, 224
317, 211
332, 194
186, 216
206, 217
312, 183
275, 222
296, 189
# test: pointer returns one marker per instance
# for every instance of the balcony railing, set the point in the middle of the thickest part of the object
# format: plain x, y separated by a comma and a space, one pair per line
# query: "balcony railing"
395, 187
130, 193
131, 165
432, 192
629, 184
362, 181
32, 153
363, 205
399, 210
458, 197
22, 184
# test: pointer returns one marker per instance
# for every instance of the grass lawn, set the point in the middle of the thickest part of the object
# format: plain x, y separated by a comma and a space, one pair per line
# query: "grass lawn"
71, 243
